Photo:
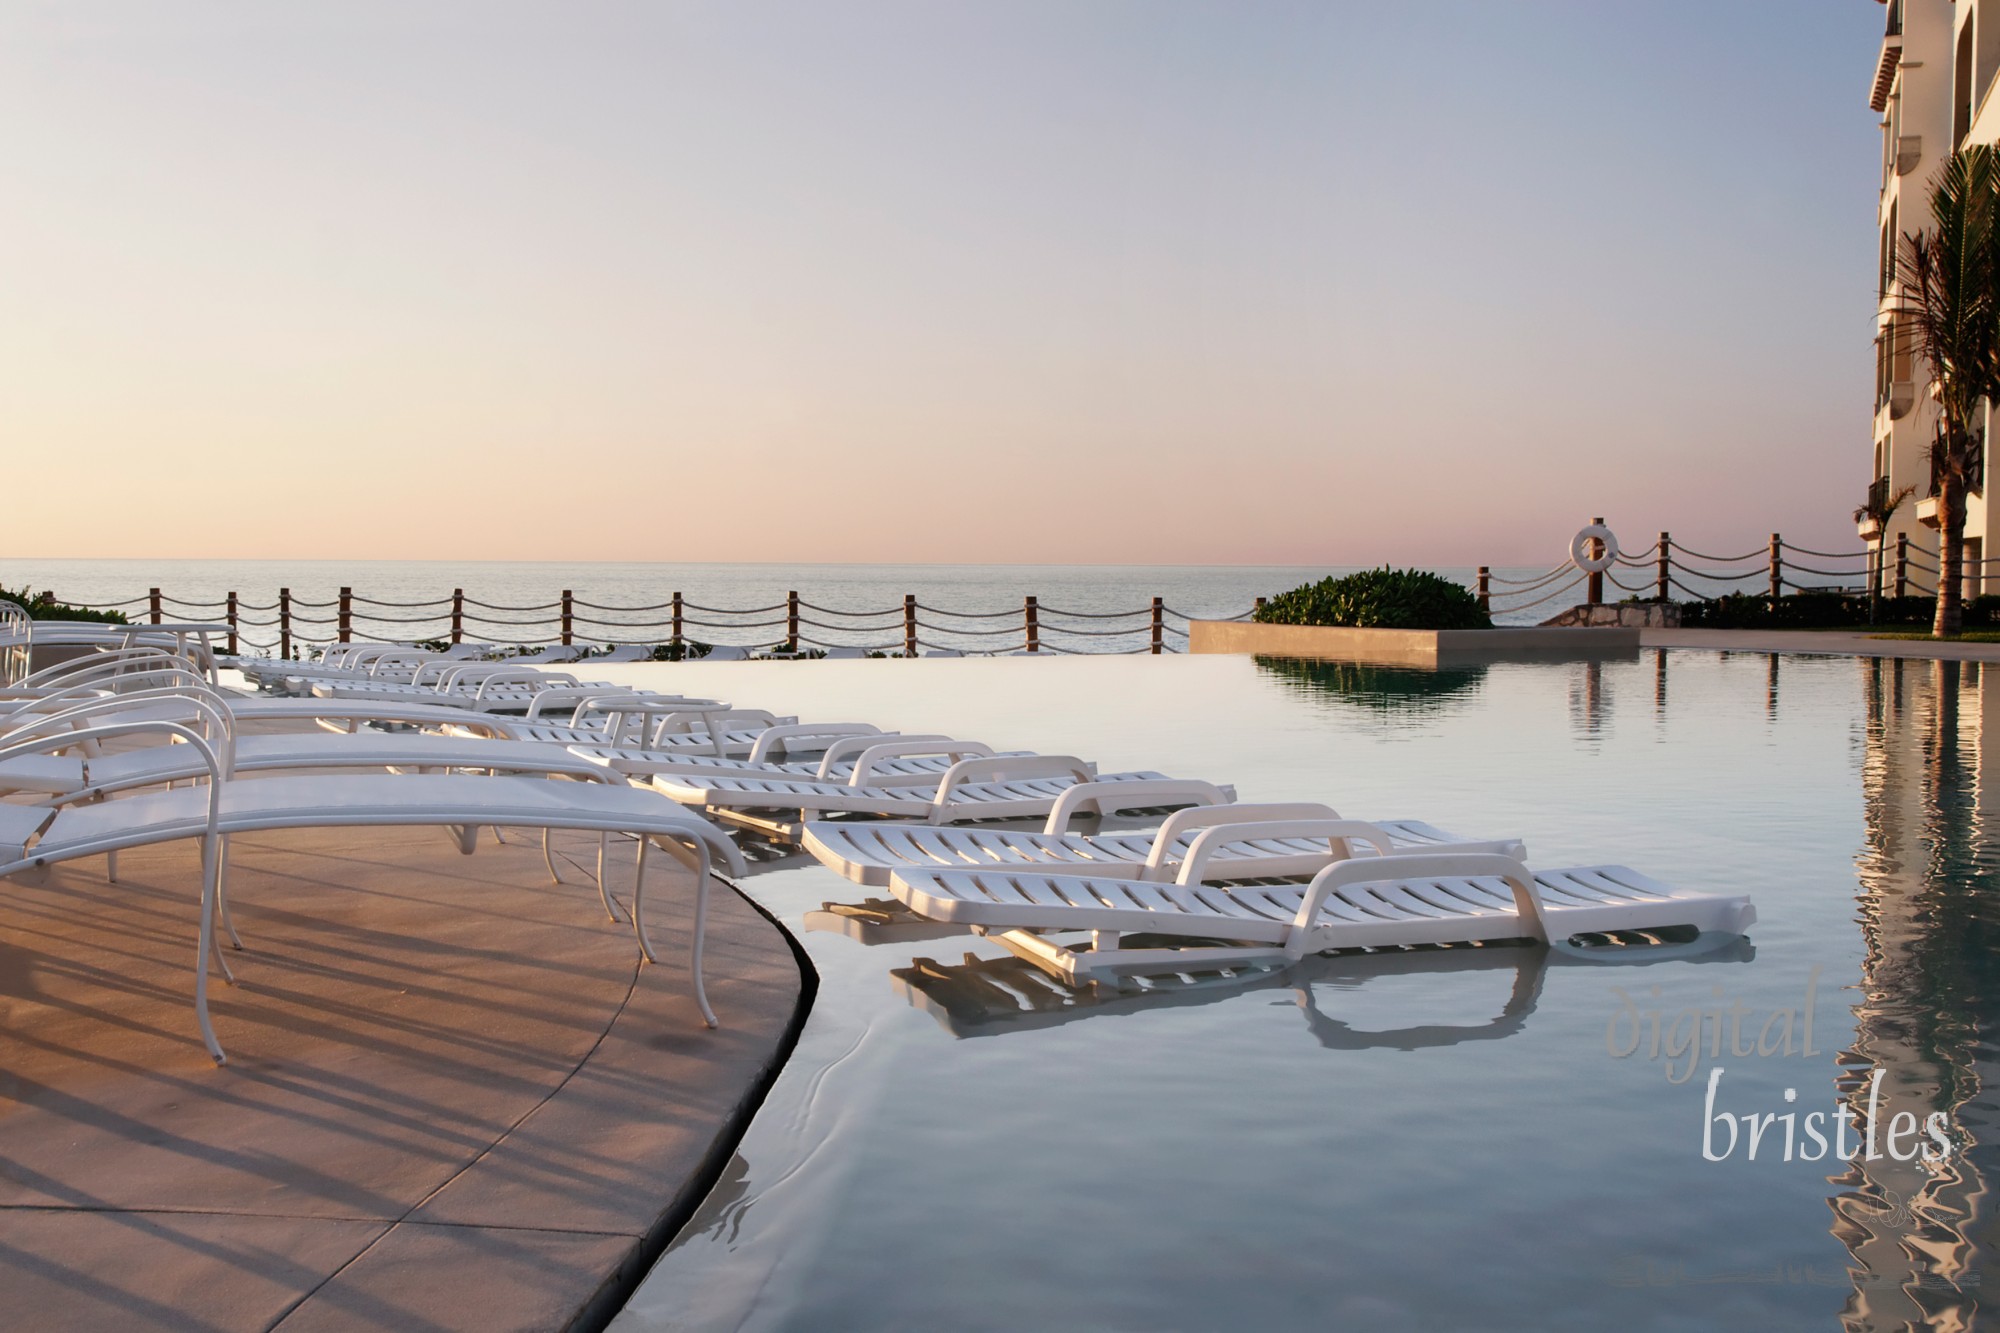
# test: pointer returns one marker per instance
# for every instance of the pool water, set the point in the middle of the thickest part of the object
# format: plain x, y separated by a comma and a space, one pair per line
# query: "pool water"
1493, 1138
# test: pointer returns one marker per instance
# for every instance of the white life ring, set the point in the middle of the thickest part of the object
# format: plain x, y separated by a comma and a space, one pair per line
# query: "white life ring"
1579, 549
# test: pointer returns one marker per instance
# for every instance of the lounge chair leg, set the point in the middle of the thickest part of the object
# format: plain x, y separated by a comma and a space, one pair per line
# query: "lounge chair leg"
222, 905
205, 946
639, 904
111, 867
701, 874
603, 890
694, 854
548, 857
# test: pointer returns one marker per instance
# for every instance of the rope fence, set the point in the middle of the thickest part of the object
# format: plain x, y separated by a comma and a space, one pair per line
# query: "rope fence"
1898, 568
1663, 571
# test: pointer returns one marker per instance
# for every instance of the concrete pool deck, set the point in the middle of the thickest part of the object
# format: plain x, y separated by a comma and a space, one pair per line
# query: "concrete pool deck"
455, 1099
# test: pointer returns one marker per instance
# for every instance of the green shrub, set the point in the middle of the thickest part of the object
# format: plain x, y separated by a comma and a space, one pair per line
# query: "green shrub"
44, 606
680, 650
1382, 598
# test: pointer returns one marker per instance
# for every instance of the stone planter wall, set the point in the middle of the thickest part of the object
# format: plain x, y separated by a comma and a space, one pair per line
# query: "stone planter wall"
1402, 647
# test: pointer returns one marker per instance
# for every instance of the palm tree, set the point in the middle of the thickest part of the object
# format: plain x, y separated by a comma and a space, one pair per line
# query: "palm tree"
1950, 295
1881, 512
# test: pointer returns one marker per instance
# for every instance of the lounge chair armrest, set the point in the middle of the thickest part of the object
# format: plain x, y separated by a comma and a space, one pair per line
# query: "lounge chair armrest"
522, 676
1011, 768
548, 699
713, 723
1247, 812
907, 747
1421, 865
1339, 833
1105, 798
779, 738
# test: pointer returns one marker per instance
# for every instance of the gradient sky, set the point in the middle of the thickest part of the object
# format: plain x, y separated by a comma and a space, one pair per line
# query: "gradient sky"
1027, 280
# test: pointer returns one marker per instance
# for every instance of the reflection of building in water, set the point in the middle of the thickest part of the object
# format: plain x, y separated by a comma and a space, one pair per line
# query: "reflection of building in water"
1921, 1231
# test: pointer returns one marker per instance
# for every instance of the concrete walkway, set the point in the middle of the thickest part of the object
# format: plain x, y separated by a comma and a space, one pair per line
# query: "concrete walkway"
455, 1100
1833, 642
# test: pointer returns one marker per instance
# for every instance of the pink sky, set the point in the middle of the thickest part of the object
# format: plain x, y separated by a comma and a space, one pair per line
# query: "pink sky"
1022, 282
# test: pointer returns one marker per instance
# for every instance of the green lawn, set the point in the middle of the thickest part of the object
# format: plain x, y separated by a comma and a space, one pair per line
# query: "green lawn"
1970, 636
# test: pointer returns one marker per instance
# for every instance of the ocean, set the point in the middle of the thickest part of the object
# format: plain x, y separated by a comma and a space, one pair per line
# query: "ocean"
975, 608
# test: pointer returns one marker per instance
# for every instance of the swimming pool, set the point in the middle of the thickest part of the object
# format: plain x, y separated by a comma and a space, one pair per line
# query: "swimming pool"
1498, 1138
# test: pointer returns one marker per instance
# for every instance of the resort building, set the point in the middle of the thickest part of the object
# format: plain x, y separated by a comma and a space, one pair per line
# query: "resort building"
1932, 78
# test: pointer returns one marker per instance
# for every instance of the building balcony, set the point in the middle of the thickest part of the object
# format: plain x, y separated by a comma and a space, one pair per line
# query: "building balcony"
1885, 70
1869, 522
1900, 397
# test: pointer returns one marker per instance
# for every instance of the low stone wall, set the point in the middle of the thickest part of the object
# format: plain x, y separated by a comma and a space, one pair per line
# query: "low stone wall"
1630, 615
1409, 647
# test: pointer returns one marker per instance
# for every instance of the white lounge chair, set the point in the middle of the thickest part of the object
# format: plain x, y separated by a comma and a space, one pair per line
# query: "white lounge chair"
1011, 787
479, 687
350, 660
602, 716
884, 758
72, 777
104, 671
666, 723
32, 837
555, 653
1368, 902
871, 852
364, 662
17, 639
725, 733
128, 672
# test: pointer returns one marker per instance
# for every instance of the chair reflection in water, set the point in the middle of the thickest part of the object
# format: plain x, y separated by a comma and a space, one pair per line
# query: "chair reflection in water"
981, 997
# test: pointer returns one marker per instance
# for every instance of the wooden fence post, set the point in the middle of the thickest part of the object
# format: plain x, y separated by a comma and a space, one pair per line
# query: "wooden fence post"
232, 624
285, 623
909, 624
346, 614
1663, 579
1902, 564
1159, 625
1777, 566
457, 615
154, 606
1596, 586
792, 621
568, 618
1031, 619
677, 618
1485, 590
1259, 606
